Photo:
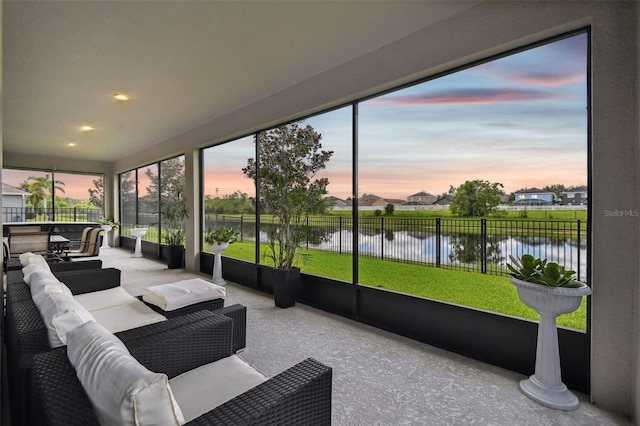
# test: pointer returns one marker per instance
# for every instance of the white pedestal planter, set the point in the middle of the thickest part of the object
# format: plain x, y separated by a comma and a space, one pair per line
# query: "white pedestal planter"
546, 386
138, 233
105, 237
217, 262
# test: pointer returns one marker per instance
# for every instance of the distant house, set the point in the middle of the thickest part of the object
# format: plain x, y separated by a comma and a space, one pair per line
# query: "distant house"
575, 197
421, 198
533, 197
335, 201
371, 200
444, 201
13, 201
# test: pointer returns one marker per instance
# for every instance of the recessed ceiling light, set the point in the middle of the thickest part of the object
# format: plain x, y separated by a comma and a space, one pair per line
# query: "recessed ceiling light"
121, 97
71, 144
86, 128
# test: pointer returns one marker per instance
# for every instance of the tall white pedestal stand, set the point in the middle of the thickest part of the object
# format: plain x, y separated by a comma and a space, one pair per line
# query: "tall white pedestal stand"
217, 249
138, 233
546, 386
105, 236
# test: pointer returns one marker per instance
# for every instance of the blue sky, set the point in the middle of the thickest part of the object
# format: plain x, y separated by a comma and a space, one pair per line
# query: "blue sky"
520, 120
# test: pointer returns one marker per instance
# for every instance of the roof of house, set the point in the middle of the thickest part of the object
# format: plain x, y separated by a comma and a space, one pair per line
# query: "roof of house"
582, 188
533, 191
421, 194
12, 190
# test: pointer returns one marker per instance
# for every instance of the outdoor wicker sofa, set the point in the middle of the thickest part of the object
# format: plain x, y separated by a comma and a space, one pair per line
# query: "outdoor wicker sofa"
300, 396
26, 333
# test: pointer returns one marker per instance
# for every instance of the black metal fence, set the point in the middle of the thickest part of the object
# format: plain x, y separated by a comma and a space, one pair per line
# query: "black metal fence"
30, 214
482, 245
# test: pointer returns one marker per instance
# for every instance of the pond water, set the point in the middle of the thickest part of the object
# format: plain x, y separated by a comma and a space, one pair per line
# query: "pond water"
458, 249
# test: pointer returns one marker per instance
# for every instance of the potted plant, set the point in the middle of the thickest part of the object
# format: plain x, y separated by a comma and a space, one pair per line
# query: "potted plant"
551, 290
107, 225
218, 240
174, 212
290, 158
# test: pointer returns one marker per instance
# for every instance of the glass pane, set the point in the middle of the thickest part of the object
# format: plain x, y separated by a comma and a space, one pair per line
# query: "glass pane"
32, 199
127, 202
229, 197
329, 240
171, 189
149, 201
295, 176
78, 197
439, 162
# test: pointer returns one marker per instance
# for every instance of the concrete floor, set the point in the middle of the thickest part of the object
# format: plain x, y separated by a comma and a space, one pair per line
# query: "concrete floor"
379, 378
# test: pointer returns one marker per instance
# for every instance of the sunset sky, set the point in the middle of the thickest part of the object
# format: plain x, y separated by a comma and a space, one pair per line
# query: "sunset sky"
520, 120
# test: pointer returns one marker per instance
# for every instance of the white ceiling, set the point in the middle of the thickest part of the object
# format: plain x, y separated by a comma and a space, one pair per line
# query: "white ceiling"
184, 63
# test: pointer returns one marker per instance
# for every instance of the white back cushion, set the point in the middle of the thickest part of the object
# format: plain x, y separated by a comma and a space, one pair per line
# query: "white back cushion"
24, 258
40, 278
33, 267
122, 391
28, 258
61, 314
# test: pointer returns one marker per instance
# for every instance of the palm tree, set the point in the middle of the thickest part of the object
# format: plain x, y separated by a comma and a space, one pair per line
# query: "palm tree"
40, 188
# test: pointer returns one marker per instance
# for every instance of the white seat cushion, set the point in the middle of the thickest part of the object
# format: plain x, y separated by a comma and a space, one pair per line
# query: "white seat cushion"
182, 293
204, 388
121, 390
125, 317
102, 299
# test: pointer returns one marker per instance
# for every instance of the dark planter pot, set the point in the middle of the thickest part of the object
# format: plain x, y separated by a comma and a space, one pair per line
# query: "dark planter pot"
285, 284
175, 256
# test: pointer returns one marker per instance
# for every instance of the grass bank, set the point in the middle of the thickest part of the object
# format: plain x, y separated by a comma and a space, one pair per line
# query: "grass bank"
487, 292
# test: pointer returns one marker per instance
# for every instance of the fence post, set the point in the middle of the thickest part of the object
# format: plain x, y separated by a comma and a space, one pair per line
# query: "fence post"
438, 243
579, 242
241, 228
382, 238
340, 235
308, 232
483, 242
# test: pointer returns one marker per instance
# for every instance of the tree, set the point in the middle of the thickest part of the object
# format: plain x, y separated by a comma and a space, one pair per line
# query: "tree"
557, 190
290, 158
477, 198
235, 203
96, 194
389, 209
171, 180
40, 188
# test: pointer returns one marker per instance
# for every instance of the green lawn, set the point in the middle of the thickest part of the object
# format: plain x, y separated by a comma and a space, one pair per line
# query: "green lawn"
487, 292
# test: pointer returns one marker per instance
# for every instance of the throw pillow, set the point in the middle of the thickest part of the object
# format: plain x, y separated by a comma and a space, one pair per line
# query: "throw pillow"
122, 391
28, 270
61, 314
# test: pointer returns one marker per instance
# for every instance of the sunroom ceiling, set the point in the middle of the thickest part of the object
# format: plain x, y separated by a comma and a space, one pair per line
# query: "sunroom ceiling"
183, 63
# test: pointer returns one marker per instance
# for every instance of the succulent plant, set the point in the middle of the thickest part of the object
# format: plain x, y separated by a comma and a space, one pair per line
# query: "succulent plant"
221, 235
539, 271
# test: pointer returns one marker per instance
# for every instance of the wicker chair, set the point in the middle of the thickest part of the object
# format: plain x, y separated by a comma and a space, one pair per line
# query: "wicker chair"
300, 396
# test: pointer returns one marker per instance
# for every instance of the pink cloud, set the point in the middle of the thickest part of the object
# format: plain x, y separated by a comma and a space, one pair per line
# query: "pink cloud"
549, 80
468, 96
